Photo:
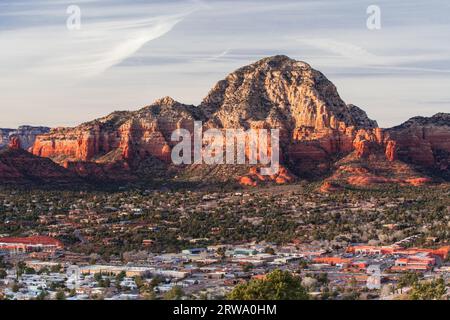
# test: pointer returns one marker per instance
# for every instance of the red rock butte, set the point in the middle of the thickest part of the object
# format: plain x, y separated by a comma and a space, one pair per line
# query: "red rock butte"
320, 135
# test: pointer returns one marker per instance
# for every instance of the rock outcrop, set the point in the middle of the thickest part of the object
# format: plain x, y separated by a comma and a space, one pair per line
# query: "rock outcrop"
14, 143
317, 131
254, 178
120, 135
25, 134
422, 141
4, 137
279, 92
329, 187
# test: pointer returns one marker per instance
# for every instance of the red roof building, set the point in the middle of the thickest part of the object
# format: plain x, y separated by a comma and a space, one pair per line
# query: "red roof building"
442, 252
16, 245
414, 263
332, 260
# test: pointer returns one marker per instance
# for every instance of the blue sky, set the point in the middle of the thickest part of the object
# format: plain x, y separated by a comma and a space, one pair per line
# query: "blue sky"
129, 53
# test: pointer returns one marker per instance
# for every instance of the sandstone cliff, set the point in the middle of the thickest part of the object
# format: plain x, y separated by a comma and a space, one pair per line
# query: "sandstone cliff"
119, 136
275, 92
25, 134
317, 131
422, 141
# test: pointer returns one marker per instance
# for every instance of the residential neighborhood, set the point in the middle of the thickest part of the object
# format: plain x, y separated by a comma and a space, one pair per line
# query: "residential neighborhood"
370, 272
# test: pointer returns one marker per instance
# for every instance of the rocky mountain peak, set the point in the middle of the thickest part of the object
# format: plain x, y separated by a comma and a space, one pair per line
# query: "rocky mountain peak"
278, 62
317, 127
278, 91
168, 109
165, 101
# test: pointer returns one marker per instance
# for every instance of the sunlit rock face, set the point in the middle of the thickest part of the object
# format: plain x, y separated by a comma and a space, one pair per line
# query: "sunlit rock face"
423, 141
317, 128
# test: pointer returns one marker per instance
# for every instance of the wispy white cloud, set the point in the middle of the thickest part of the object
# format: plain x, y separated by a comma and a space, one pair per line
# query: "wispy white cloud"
90, 51
98, 47
356, 55
130, 52
219, 56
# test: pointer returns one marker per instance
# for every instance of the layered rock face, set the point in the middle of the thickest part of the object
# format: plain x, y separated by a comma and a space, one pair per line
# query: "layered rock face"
400, 155
4, 137
120, 135
317, 129
278, 92
275, 92
25, 134
422, 141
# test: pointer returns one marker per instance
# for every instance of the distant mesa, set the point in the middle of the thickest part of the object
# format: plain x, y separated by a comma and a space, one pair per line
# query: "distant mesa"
26, 135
